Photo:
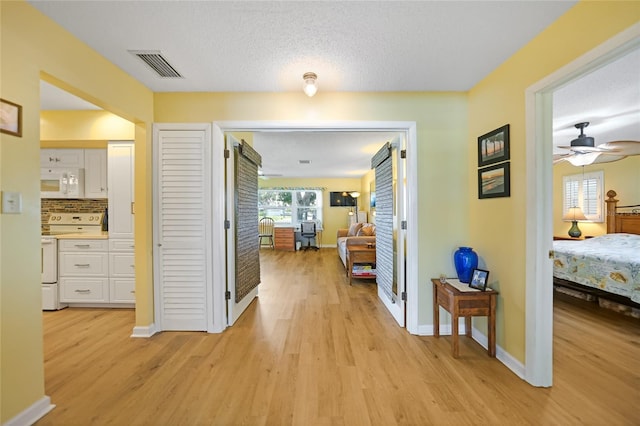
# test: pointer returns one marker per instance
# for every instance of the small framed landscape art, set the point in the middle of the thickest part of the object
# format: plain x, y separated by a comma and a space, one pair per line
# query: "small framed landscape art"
493, 147
10, 118
494, 181
479, 279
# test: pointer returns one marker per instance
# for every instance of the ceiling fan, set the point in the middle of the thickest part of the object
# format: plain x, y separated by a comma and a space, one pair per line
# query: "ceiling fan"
584, 150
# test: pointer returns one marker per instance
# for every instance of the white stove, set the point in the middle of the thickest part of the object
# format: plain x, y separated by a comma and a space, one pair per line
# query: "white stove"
75, 223
61, 224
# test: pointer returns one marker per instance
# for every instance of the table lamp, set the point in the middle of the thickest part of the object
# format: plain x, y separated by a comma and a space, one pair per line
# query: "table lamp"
574, 214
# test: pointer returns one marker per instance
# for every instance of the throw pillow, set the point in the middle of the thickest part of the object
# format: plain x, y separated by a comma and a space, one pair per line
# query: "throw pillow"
367, 230
353, 229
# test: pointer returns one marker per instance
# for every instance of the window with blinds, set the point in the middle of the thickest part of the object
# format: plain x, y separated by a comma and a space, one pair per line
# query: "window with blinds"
584, 190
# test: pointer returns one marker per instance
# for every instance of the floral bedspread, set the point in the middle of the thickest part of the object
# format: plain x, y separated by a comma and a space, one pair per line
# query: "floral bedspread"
609, 262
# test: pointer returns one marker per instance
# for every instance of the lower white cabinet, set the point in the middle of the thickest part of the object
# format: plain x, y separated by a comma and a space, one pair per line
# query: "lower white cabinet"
94, 290
83, 267
122, 274
122, 290
89, 272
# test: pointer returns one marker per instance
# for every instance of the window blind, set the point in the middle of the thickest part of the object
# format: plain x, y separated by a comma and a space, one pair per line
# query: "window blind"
585, 190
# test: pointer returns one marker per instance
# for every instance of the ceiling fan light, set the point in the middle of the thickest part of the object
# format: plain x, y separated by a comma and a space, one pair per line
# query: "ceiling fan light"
310, 87
583, 159
583, 141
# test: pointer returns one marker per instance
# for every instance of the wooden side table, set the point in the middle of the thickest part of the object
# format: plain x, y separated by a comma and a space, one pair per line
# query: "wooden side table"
360, 254
465, 304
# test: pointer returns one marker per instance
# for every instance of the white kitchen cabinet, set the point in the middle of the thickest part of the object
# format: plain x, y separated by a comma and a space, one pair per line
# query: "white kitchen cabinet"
83, 266
122, 290
84, 290
95, 173
120, 163
122, 280
121, 265
68, 158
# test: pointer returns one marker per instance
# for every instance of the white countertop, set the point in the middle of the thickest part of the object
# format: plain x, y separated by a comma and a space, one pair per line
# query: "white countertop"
103, 235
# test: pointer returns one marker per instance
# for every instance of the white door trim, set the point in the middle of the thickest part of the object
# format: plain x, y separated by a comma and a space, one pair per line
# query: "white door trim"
539, 178
409, 130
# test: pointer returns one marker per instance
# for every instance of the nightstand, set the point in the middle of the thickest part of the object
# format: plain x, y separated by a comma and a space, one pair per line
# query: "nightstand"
567, 238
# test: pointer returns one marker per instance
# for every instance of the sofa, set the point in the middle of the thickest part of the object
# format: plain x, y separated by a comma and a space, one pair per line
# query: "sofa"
356, 234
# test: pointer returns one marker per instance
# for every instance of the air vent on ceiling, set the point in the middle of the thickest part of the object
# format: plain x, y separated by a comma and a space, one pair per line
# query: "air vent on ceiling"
305, 161
155, 60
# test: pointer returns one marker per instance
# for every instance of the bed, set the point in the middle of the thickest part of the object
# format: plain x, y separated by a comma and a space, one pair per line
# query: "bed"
604, 267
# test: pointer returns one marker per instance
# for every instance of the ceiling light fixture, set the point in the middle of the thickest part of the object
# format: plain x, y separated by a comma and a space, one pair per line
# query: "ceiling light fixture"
309, 86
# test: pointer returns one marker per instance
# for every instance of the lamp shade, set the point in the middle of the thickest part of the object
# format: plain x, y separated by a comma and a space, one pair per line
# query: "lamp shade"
575, 213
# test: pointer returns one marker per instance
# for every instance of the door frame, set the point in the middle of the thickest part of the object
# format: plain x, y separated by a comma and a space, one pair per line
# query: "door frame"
539, 203
219, 128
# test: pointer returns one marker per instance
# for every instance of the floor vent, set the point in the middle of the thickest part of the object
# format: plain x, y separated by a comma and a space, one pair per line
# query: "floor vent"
155, 60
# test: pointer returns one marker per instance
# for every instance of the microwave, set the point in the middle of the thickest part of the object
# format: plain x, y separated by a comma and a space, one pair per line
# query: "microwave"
61, 183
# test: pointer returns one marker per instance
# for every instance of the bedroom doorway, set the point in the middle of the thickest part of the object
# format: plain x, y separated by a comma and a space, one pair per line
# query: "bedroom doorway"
539, 124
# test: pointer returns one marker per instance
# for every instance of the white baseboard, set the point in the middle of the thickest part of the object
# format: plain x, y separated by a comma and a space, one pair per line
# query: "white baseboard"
445, 329
144, 332
32, 414
501, 355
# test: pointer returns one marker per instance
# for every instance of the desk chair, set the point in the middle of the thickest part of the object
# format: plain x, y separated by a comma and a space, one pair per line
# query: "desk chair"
308, 231
265, 230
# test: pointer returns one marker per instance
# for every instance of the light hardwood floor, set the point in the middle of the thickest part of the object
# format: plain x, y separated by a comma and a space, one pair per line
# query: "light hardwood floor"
313, 350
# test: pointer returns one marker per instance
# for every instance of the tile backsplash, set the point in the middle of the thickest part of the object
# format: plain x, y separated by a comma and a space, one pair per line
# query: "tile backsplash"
52, 205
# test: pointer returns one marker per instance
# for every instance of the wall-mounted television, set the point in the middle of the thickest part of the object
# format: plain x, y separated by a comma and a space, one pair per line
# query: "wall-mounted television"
341, 199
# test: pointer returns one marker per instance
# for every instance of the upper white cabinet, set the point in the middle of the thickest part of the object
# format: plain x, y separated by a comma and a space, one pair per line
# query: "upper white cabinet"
70, 158
120, 163
95, 173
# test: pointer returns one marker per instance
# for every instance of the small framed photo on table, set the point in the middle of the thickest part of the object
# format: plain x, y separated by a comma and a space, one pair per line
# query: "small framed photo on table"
479, 279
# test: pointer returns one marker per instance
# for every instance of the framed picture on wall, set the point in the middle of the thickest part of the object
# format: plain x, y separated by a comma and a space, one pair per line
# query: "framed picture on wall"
494, 181
10, 118
493, 147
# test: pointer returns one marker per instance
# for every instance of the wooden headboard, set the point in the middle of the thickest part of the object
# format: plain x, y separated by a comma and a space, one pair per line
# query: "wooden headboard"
627, 221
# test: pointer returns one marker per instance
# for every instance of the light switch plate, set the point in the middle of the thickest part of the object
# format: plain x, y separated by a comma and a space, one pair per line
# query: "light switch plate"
11, 202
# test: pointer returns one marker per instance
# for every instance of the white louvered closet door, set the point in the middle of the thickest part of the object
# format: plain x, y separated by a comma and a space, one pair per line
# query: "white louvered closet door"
182, 229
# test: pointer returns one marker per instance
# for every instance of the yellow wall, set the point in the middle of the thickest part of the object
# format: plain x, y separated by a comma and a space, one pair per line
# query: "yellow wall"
622, 176
498, 225
441, 120
85, 127
38, 48
333, 218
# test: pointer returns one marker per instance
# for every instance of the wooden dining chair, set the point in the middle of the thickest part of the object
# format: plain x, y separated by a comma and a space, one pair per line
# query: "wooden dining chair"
265, 230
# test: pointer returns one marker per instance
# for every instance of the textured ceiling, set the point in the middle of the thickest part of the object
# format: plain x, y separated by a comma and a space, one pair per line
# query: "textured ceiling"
266, 46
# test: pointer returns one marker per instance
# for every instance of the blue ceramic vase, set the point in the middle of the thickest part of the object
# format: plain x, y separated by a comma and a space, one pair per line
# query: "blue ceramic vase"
465, 261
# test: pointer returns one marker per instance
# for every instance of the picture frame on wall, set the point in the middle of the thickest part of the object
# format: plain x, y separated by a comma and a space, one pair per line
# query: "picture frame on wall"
494, 181
493, 147
10, 118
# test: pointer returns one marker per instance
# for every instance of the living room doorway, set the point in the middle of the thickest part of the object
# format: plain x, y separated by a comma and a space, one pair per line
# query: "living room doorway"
408, 132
